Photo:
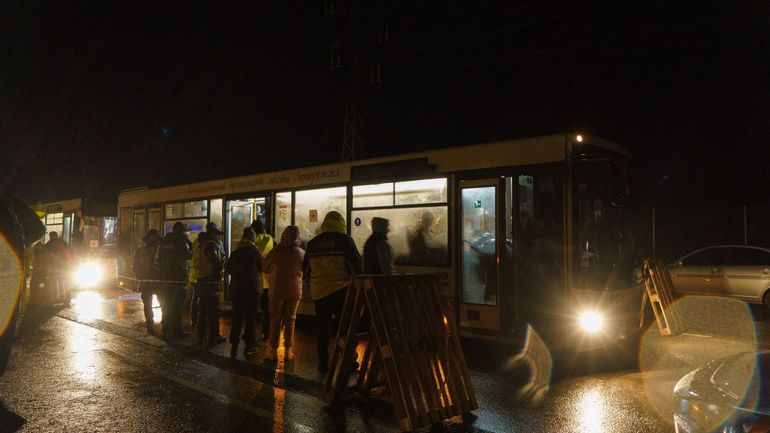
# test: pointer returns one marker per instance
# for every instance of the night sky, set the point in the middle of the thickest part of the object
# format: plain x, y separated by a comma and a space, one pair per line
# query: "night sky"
96, 97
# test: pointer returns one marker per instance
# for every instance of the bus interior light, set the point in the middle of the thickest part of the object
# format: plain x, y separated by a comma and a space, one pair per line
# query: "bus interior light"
579, 138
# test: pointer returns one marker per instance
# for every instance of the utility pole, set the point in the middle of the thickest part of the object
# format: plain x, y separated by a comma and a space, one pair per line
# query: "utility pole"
353, 124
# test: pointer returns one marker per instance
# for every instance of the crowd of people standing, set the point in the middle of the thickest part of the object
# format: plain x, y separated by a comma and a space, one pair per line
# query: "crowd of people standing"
263, 275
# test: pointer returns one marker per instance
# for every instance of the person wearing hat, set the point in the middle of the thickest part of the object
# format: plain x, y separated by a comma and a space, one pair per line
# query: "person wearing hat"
209, 267
330, 261
174, 252
145, 267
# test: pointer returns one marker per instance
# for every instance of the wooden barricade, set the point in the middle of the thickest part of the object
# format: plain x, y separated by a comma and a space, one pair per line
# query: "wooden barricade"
659, 290
412, 348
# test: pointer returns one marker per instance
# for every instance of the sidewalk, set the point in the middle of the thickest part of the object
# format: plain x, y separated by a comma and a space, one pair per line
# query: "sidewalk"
120, 312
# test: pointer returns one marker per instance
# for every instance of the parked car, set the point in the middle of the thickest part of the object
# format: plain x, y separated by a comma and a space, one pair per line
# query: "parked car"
737, 271
727, 395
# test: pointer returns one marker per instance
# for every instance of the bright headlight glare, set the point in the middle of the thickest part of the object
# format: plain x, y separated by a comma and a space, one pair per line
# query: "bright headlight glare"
88, 275
591, 321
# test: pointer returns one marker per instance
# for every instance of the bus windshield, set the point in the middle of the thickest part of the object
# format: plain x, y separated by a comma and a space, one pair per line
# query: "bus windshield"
603, 250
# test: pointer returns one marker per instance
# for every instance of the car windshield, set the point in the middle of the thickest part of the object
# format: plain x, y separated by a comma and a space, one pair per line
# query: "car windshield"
740, 377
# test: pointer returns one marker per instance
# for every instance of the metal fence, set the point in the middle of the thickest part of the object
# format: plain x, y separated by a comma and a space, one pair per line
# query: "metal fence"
673, 232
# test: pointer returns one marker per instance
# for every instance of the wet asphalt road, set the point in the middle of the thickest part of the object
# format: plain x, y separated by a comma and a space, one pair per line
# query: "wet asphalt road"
74, 375
68, 377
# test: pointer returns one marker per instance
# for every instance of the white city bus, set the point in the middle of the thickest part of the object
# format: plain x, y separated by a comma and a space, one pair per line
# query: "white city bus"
520, 229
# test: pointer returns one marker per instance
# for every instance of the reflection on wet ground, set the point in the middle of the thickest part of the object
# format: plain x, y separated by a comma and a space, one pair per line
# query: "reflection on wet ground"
623, 401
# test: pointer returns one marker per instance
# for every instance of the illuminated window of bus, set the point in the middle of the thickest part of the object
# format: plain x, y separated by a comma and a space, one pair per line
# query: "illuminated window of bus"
109, 231
283, 212
419, 236
193, 209
421, 191
376, 195
190, 209
215, 213
54, 218
194, 226
174, 210
311, 207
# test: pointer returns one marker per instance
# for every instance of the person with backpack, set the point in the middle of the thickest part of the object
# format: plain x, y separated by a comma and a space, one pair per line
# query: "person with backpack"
245, 269
265, 243
209, 267
174, 252
146, 267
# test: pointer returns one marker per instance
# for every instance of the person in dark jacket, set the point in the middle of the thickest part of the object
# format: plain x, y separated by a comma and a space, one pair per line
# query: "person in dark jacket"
209, 266
330, 262
378, 255
146, 267
245, 269
173, 253
58, 260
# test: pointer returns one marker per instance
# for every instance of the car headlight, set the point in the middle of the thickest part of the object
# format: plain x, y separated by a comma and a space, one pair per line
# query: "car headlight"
88, 275
591, 321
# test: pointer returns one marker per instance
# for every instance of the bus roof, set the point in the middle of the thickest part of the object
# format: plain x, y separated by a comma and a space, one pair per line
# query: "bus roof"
505, 153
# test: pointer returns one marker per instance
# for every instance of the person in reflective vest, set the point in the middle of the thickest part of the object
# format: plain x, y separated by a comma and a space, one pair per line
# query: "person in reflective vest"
209, 267
145, 267
265, 243
193, 279
331, 260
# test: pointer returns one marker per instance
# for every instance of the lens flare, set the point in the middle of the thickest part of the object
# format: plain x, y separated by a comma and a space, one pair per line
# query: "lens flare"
10, 282
88, 275
709, 328
591, 321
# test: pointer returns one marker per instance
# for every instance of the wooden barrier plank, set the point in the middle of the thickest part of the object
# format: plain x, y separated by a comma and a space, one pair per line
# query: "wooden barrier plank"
412, 341
403, 357
397, 390
426, 385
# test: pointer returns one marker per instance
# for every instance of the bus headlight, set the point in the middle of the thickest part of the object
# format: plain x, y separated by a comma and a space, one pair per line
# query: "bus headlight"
88, 275
591, 321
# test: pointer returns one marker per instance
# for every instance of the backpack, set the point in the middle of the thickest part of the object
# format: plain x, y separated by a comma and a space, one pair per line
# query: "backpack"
203, 266
144, 265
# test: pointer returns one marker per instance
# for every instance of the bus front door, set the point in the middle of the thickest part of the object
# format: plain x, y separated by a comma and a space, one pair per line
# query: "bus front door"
479, 252
240, 214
